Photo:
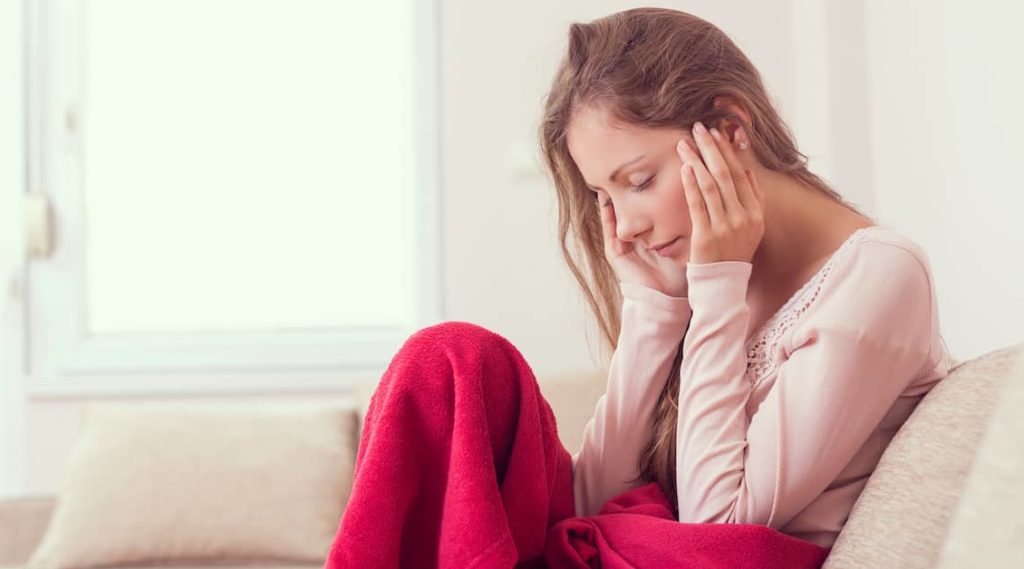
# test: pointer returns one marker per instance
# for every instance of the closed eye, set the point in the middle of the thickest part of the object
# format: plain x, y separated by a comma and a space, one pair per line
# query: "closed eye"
636, 189
643, 185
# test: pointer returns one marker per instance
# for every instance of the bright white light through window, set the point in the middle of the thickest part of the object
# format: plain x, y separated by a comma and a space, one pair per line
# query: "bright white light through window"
248, 166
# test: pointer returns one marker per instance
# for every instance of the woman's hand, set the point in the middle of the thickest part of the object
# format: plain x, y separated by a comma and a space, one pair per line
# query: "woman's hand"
633, 263
726, 204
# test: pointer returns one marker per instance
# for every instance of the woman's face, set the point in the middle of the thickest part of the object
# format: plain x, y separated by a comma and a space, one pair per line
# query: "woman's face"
658, 212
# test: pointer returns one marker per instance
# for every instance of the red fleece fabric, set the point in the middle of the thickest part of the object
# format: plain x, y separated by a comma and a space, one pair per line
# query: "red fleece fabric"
460, 466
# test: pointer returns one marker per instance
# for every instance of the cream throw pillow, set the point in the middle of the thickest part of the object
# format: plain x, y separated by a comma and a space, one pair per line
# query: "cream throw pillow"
162, 482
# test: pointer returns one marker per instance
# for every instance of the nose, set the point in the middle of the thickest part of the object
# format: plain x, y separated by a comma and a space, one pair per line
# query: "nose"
629, 224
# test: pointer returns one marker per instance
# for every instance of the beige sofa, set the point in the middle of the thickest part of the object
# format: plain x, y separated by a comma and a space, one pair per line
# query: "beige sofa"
947, 492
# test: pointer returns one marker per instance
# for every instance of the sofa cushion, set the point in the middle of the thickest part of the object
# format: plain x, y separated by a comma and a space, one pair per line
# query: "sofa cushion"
163, 482
207, 565
902, 517
987, 528
23, 521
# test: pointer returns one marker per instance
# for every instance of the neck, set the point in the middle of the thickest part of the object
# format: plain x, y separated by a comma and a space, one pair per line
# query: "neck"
796, 220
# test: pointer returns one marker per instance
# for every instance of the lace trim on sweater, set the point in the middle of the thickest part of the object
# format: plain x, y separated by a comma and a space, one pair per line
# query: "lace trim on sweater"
761, 348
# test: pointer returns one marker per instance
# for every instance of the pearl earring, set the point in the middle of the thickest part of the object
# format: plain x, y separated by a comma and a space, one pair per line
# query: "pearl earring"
744, 145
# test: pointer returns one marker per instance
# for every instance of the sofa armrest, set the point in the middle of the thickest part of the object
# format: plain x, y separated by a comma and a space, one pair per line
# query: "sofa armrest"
23, 522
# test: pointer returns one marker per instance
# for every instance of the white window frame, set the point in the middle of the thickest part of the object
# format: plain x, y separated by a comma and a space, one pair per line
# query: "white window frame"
63, 359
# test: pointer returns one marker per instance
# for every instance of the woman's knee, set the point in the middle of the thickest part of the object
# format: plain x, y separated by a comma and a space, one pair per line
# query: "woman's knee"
454, 338
453, 331
456, 344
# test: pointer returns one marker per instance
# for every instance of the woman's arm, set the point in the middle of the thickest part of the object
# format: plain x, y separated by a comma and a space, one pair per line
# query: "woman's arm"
653, 324
862, 342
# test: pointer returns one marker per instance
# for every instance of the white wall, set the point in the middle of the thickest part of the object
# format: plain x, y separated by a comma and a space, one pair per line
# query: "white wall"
503, 269
946, 117
853, 79
11, 183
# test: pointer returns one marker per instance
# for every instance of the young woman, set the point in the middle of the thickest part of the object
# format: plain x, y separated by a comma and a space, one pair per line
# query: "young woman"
768, 339
811, 332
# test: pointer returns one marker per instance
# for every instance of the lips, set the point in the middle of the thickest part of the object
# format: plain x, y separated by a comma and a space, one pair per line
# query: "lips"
660, 247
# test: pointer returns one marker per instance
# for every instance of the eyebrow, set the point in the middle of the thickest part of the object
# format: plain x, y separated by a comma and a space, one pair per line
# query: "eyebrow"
615, 173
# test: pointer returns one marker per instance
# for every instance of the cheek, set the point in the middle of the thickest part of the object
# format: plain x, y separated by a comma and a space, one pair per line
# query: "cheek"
676, 203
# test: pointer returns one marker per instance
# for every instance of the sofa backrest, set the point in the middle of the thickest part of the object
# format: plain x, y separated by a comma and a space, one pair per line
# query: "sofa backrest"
902, 517
987, 529
573, 398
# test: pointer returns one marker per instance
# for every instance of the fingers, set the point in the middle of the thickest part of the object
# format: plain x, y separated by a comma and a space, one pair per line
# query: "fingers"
724, 183
745, 191
699, 217
720, 171
707, 185
607, 221
732, 173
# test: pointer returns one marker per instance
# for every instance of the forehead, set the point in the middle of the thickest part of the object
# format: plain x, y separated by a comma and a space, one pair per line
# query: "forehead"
598, 144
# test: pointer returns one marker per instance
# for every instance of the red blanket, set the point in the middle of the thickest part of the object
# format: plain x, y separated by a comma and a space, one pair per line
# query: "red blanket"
637, 530
460, 466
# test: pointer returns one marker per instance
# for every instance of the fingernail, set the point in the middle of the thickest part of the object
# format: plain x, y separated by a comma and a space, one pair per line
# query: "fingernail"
700, 127
681, 146
714, 133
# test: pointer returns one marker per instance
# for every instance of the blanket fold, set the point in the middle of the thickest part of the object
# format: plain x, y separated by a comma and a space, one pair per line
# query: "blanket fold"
459, 466
636, 530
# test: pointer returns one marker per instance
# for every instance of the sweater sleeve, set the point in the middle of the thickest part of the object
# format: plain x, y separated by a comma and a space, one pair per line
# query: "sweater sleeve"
859, 345
653, 324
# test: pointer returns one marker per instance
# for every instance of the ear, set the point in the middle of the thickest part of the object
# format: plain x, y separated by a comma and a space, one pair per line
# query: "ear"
728, 126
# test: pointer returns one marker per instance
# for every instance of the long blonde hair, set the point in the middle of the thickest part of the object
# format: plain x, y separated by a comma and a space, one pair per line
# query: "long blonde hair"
652, 67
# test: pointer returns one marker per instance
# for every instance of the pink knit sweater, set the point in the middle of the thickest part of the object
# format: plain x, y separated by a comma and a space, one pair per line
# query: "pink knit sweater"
782, 428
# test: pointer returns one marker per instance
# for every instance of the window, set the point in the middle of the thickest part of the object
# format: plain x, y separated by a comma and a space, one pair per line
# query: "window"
238, 187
